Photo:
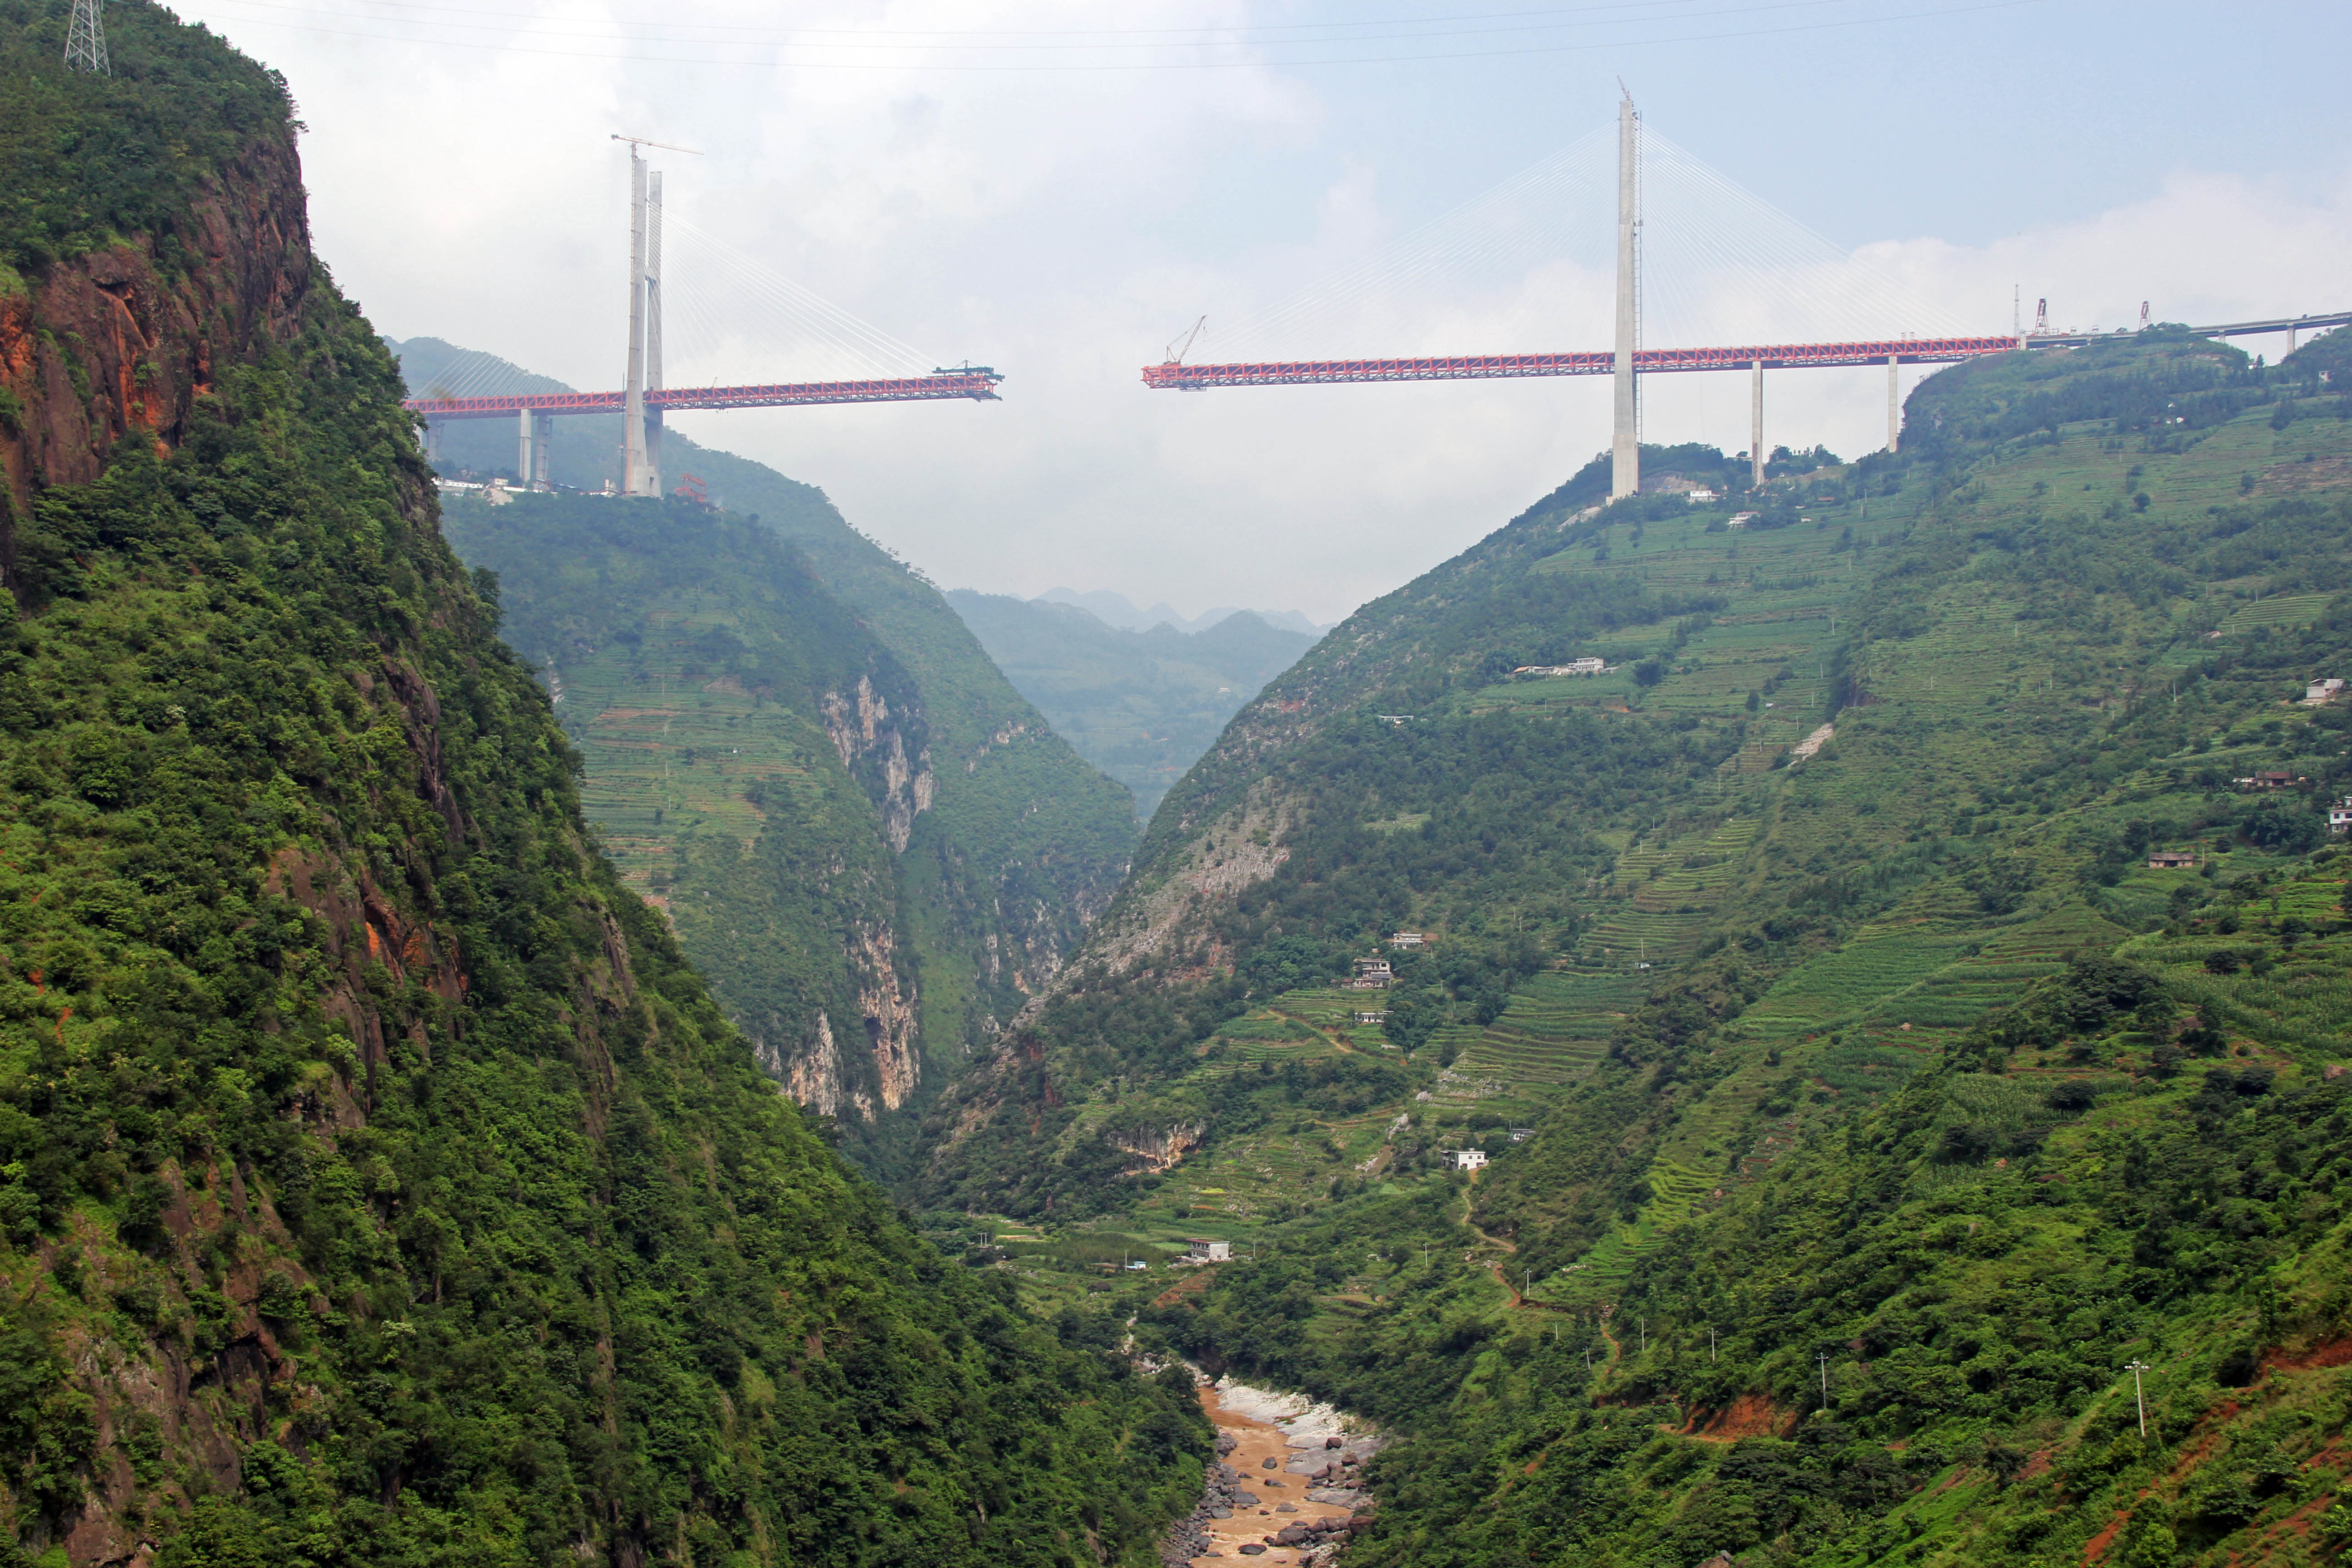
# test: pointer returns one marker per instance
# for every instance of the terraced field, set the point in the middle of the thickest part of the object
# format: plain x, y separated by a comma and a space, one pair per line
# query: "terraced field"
667, 755
1554, 1030
1670, 892
1678, 1193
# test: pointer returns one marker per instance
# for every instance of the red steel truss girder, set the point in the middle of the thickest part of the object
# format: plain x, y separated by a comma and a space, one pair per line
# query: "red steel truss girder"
978, 385
1649, 361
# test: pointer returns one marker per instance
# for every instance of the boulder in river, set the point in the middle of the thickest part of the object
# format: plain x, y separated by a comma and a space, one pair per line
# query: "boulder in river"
1337, 1496
1252, 1549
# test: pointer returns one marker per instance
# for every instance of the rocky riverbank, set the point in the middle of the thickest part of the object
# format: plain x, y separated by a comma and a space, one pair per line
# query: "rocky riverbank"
1284, 1489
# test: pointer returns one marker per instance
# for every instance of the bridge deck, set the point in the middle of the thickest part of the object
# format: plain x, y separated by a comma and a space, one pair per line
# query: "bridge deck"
1656, 361
978, 384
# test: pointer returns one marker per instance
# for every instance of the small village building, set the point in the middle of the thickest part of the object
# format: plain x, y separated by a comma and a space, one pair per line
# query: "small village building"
2322, 692
2267, 781
1371, 1015
1408, 939
1521, 1134
1372, 974
1465, 1159
1201, 1249
1742, 519
2170, 861
1700, 495
1573, 666
2339, 816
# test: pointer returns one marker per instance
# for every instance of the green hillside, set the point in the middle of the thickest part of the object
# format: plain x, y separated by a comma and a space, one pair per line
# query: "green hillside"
1817, 944
378, 1183
763, 769
1140, 705
871, 920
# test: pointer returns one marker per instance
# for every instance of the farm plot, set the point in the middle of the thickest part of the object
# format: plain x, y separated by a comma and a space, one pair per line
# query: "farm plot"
1554, 1030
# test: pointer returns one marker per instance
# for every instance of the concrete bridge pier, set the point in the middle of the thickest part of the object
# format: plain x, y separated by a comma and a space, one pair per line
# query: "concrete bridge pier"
1894, 401
1755, 436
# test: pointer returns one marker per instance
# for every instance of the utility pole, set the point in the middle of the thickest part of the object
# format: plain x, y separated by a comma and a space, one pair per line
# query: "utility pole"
2138, 1398
1642, 1327
1710, 1344
86, 39
1825, 1382
1625, 445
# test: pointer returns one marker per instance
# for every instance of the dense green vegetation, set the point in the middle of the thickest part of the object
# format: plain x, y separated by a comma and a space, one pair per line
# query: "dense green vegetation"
871, 918
1140, 705
84, 163
1894, 1063
765, 769
378, 1184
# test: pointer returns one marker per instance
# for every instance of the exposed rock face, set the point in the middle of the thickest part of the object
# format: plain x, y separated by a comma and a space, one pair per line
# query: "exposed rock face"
1158, 1148
813, 1079
889, 1001
107, 343
875, 747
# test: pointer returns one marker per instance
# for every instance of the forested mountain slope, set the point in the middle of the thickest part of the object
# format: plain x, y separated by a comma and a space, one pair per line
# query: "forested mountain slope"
1885, 1100
377, 1183
1140, 705
871, 919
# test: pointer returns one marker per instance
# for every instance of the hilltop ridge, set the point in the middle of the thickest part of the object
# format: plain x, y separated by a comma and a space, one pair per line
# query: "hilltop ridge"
1848, 1059
378, 1181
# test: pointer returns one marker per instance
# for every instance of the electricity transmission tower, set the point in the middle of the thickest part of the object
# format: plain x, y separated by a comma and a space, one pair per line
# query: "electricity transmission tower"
86, 40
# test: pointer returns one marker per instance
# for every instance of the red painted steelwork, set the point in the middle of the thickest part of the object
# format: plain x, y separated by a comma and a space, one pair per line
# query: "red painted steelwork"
977, 384
1648, 361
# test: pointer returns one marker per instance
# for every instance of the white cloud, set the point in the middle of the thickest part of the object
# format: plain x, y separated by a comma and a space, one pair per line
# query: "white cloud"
1064, 228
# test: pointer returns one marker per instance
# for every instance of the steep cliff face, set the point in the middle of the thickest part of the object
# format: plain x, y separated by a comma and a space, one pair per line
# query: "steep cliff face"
377, 1183
1008, 844
117, 340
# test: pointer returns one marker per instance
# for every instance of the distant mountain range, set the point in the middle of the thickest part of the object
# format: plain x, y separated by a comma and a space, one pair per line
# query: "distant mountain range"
1140, 700
1119, 610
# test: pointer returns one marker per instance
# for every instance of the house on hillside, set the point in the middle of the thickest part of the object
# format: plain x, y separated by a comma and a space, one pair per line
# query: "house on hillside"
1201, 1249
1699, 496
2322, 692
1573, 666
1408, 939
1372, 974
2339, 816
2170, 861
1465, 1159
1371, 1015
1742, 519
2268, 781
1521, 1134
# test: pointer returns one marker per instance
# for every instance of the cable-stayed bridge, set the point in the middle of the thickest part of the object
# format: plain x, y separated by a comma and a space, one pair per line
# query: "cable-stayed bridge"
742, 301
1732, 258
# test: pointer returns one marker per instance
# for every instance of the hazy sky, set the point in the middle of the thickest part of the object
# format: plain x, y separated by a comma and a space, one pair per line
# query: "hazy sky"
1058, 190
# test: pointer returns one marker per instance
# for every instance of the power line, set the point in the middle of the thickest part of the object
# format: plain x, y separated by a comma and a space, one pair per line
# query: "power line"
845, 38
1686, 38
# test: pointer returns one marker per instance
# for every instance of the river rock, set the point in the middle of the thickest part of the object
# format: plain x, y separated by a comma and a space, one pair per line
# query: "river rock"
1338, 1497
1286, 1508
1246, 1499
1271, 1465
1221, 1513
1252, 1549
